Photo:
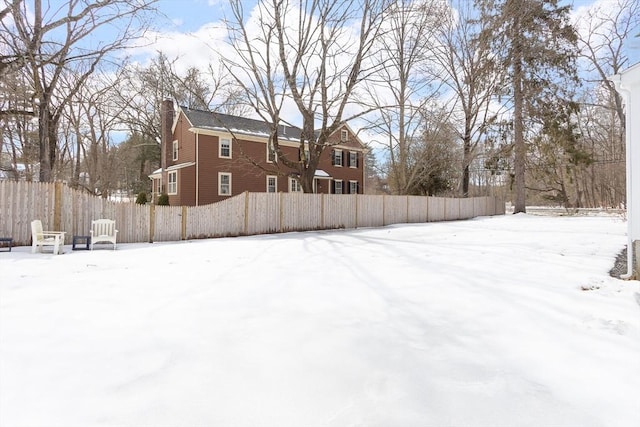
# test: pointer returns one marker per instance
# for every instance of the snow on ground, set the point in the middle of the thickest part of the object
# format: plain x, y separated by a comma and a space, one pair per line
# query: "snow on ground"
502, 321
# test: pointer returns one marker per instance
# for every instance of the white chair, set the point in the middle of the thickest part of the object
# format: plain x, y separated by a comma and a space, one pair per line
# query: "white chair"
40, 238
103, 231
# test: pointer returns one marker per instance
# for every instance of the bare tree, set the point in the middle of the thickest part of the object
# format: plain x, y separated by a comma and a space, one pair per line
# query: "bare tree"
212, 89
403, 88
432, 156
141, 90
9, 60
604, 32
90, 117
468, 68
18, 133
310, 55
603, 35
602, 132
52, 40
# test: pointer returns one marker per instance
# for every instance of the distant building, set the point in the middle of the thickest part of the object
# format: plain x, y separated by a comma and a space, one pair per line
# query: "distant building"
208, 157
12, 172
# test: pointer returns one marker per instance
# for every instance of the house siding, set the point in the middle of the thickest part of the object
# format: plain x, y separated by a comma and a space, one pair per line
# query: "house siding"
345, 173
209, 165
323, 186
186, 186
186, 141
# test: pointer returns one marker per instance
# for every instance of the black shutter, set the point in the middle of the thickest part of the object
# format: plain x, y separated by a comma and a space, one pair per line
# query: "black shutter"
349, 158
333, 157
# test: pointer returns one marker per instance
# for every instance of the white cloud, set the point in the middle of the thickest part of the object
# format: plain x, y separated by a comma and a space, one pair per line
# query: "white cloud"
196, 49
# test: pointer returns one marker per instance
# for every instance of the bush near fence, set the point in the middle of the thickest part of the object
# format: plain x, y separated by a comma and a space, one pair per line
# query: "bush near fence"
64, 209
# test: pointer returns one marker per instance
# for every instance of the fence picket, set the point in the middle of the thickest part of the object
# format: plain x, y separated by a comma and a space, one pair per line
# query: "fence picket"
248, 213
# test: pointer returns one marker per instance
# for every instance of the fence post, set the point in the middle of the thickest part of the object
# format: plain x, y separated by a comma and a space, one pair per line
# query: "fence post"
184, 223
445, 202
322, 196
57, 206
383, 208
152, 222
281, 196
406, 219
356, 221
246, 213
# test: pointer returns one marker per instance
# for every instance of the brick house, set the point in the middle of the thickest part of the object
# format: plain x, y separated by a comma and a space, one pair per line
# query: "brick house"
208, 157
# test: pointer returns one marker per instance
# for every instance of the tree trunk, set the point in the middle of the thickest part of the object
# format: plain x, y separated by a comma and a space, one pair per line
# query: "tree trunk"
306, 182
44, 144
518, 129
466, 159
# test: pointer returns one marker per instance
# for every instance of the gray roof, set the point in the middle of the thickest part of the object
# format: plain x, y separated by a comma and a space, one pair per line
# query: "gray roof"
238, 125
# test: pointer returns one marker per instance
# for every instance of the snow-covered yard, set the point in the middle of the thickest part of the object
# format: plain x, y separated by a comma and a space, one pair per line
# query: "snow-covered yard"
503, 321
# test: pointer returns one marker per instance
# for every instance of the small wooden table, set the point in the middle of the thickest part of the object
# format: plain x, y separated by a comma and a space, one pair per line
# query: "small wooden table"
77, 240
8, 241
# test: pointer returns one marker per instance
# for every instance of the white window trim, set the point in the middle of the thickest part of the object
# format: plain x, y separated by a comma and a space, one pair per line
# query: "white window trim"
335, 184
293, 184
174, 149
175, 183
275, 179
220, 148
351, 164
220, 175
344, 135
351, 182
335, 156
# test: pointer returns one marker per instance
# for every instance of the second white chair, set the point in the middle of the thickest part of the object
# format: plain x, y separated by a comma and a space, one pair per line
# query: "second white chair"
103, 231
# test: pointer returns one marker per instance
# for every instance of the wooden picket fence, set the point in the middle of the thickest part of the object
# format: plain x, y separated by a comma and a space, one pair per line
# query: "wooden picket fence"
64, 209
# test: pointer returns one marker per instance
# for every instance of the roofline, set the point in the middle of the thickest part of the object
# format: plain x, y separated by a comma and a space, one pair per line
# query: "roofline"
282, 139
627, 76
180, 166
350, 129
254, 137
